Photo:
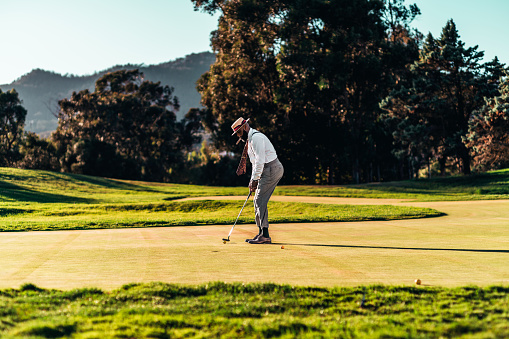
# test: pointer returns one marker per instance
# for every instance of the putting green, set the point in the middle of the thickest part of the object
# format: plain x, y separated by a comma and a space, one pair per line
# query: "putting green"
470, 245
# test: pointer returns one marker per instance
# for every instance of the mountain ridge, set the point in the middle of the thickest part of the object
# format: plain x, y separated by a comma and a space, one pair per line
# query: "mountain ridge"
40, 90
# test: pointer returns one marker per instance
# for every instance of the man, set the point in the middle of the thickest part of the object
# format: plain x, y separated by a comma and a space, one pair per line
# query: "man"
266, 173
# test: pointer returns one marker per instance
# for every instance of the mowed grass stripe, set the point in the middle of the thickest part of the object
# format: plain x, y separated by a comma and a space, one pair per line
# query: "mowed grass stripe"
191, 213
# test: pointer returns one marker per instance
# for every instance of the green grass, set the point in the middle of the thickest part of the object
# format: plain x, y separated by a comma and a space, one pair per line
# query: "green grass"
190, 213
160, 310
48, 187
40, 200
491, 185
33, 186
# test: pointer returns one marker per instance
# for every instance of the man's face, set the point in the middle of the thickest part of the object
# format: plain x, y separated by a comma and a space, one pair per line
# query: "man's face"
240, 131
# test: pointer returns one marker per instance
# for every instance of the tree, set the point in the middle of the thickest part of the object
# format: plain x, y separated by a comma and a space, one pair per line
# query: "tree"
398, 17
488, 128
309, 74
432, 110
126, 128
37, 153
12, 121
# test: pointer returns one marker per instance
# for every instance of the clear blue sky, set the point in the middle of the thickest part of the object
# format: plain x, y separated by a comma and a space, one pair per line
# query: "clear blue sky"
85, 36
479, 22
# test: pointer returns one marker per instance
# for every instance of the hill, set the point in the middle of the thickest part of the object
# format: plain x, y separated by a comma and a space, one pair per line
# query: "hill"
41, 90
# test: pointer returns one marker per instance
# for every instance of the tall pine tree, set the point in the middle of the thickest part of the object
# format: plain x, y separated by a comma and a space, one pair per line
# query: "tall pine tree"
430, 113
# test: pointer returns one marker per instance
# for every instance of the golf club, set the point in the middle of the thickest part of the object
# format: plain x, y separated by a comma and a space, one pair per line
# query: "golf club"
224, 239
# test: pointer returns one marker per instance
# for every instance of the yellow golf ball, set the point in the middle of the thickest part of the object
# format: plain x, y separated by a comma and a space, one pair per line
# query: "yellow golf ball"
282, 247
417, 281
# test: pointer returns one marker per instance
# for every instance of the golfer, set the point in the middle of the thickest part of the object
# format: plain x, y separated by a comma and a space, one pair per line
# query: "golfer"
266, 173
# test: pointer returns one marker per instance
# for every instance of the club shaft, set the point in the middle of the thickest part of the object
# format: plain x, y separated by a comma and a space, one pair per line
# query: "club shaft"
239, 214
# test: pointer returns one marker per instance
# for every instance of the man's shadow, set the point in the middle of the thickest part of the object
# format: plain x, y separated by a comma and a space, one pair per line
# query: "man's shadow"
397, 248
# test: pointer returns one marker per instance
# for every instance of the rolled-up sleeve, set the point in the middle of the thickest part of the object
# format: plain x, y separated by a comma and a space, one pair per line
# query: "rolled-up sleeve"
259, 156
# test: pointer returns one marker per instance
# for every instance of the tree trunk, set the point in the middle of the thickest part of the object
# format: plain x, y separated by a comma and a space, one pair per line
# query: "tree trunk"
466, 161
330, 173
410, 172
356, 171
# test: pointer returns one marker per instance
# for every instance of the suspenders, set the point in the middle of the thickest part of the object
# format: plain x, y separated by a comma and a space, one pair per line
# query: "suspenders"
254, 134
251, 140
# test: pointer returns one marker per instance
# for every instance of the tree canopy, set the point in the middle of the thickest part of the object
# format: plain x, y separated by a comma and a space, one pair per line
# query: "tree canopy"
12, 122
488, 130
126, 128
310, 75
429, 112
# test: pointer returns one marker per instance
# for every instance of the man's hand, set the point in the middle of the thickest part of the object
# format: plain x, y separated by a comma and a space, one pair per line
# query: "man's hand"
253, 184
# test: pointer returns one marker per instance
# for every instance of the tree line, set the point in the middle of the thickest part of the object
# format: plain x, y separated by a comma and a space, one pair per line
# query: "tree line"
347, 91
126, 128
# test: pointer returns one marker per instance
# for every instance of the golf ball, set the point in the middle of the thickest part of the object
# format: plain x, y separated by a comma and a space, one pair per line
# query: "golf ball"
417, 281
282, 247
224, 242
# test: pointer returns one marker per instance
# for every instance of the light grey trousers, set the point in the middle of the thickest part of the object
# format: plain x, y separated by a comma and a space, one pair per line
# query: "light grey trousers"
272, 173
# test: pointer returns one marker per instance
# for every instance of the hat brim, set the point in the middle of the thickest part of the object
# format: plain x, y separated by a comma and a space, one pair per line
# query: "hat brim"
243, 123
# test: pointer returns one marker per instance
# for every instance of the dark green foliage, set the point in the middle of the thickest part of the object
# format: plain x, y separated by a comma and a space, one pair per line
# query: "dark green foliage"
488, 130
37, 153
218, 172
159, 310
126, 128
310, 76
428, 114
12, 121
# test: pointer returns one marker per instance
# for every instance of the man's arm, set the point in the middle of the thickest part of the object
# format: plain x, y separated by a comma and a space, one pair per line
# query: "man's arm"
259, 157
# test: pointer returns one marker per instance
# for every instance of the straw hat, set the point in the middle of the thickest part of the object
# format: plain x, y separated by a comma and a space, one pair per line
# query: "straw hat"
238, 124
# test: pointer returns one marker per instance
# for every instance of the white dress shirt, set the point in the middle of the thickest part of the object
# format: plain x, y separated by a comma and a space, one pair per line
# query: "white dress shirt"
260, 152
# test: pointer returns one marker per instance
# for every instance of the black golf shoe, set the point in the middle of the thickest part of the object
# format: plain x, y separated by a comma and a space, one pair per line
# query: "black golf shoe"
261, 240
255, 238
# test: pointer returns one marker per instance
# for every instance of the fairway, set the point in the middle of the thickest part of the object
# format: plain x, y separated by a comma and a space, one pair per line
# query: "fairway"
470, 245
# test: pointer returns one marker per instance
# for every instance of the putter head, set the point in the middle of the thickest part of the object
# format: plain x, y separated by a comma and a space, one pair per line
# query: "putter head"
224, 239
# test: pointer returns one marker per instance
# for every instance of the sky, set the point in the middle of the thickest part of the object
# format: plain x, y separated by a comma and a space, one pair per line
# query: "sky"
479, 22
85, 36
